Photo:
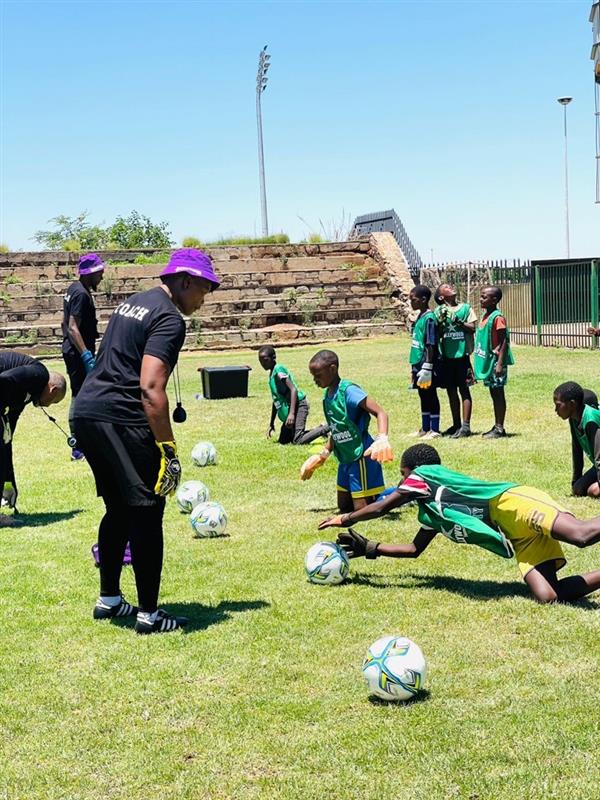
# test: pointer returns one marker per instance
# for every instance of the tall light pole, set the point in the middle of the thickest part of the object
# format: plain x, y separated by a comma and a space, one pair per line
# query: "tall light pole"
564, 101
261, 84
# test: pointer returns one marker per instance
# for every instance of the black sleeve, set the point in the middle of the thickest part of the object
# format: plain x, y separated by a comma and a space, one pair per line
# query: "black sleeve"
577, 458
592, 430
166, 339
78, 305
17, 383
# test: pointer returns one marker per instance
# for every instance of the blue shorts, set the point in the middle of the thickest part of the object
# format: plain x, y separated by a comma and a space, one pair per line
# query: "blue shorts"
362, 478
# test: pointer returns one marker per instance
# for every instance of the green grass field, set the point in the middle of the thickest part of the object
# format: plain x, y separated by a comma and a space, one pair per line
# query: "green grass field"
262, 696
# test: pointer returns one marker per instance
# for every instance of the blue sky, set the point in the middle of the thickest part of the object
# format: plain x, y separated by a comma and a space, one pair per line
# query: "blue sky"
445, 111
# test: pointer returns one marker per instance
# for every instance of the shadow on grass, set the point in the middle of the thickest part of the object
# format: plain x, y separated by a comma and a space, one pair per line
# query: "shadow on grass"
422, 697
471, 589
201, 616
21, 520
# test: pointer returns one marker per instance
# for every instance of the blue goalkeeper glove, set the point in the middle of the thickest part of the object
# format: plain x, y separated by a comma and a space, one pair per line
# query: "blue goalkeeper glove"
169, 473
89, 362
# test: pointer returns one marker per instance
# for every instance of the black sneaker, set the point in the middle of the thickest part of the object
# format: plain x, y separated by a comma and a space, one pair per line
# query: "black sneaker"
164, 623
451, 430
494, 433
124, 609
461, 432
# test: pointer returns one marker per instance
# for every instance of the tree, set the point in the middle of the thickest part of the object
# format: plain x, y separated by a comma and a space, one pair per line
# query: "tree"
137, 231
76, 233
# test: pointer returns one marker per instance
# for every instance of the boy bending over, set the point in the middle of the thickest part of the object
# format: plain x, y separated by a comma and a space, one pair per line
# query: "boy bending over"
584, 421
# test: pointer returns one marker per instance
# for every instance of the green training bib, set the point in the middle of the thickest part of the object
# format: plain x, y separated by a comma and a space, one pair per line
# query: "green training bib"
282, 403
453, 338
484, 357
417, 348
579, 431
346, 435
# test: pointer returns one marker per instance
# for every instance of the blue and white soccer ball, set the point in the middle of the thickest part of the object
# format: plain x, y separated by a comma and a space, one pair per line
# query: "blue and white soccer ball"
190, 494
208, 519
326, 563
394, 668
204, 454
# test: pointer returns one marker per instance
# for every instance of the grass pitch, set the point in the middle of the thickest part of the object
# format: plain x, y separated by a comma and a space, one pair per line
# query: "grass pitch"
263, 696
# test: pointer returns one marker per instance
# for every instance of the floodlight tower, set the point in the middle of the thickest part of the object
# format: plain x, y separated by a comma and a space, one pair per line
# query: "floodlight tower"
261, 84
564, 101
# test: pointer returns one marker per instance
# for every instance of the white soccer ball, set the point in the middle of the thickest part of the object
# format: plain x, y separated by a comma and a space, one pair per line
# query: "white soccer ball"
204, 454
190, 494
394, 668
326, 563
208, 520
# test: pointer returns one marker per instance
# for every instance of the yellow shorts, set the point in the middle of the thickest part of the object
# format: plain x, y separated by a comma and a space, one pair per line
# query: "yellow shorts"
525, 516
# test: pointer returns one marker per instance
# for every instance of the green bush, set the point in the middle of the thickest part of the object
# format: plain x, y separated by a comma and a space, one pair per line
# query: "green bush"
191, 241
4, 248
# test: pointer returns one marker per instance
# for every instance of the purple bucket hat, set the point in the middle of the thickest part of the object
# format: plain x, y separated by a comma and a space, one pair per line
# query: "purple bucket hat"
89, 263
194, 262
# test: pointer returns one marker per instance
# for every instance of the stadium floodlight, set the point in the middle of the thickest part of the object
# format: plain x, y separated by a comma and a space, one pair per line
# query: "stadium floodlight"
564, 101
261, 84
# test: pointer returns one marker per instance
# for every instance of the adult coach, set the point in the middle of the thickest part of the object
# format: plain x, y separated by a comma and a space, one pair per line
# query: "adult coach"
121, 421
80, 328
23, 380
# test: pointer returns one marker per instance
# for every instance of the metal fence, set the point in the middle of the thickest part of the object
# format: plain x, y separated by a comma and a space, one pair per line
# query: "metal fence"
546, 303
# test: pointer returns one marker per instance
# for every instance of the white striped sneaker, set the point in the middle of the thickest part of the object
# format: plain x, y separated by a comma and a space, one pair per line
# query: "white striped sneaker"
123, 609
164, 623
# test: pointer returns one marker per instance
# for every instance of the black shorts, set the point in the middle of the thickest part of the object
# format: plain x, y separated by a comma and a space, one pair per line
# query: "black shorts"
124, 459
75, 371
455, 372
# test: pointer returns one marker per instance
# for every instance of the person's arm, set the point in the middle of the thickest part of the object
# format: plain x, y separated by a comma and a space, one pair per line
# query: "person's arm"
291, 417
381, 450
502, 346
371, 511
74, 334
355, 545
154, 377
594, 435
314, 462
577, 458
272, 421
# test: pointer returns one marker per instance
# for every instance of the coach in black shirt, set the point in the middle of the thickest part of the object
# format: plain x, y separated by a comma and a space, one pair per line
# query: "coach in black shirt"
23, 380
80, 328
121, 421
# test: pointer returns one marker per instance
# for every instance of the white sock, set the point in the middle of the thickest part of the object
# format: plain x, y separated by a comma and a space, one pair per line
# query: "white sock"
112, 600
146, 616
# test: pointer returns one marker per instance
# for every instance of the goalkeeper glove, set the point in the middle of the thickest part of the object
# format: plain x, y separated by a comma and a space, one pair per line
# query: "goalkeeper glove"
312, 463
89, 362
169, 473
355, 545
9, 495
425, 376
381, 450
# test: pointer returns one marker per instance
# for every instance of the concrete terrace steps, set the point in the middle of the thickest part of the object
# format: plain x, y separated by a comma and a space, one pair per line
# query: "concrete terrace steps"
268, 292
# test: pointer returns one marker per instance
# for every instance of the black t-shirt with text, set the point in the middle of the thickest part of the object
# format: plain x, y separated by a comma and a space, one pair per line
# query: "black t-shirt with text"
147, 323
79, 303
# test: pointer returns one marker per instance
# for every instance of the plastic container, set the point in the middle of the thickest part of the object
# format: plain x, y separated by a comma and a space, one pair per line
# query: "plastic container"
219, 383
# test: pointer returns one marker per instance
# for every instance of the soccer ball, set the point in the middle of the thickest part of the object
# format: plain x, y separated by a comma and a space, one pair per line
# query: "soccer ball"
189, 494
394, 668
204, 454
326, 563
208, 520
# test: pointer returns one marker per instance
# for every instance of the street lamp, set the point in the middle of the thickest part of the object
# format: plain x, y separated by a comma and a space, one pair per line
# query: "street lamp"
261, 84
564, 101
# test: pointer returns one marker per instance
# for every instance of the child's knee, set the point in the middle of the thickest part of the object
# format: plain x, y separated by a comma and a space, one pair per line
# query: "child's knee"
545, 595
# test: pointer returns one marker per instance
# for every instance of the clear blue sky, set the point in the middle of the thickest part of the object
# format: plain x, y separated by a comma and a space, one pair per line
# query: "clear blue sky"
445, 111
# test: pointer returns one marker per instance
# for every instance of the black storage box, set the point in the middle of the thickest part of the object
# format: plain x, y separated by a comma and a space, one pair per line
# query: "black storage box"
221, 382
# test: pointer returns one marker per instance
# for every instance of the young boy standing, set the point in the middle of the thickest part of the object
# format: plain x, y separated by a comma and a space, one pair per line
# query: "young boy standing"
584, 421
502, 517
493, 356
423, 359
289, 402
457, 327
348, 409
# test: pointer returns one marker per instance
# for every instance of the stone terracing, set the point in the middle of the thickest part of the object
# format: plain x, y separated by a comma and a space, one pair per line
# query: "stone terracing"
270, 293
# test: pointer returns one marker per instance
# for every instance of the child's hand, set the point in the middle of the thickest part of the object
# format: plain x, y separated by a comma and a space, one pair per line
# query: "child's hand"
291, 419
425, 376
332, 522
312, 463
381, 450
270, 431
356, 546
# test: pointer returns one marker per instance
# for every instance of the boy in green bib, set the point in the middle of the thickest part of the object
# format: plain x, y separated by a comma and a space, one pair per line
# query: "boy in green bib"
348, 410
423, 358
289, 402
584, 421
493, 356
502, 517
456, 330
